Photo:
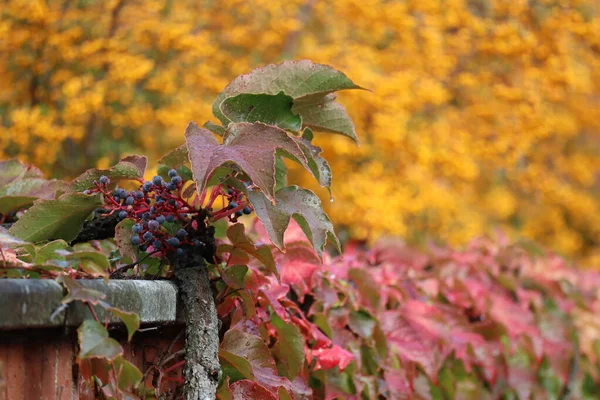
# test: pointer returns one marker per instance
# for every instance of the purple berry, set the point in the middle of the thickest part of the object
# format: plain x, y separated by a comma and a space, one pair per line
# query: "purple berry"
173, 242
148, 236
153, 225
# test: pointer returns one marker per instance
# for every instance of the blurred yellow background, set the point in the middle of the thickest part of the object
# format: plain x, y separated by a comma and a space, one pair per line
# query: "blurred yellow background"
483, 113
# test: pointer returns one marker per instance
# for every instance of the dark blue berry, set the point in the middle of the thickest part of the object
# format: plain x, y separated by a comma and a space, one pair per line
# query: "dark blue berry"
148, 236
137, 228
181, 233
233, 204
247, 210
156, 244
146, 216
176, 180
160, 219
198, 243
159, 199
139, 195
230, 191
122, 193
143, 247
173, 242
172, 202
238, 214
153, 225
172, 186
129, 201
147, 186
179, 252
172, 173
135, 240
123, 214
170, 218
157, 180
148, 201
104, 180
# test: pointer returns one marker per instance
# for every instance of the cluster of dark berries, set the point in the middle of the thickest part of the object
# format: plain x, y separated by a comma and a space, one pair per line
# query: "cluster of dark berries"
156, 203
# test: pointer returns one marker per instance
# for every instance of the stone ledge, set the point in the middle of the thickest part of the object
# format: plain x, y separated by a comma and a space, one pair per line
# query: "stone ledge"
29, 303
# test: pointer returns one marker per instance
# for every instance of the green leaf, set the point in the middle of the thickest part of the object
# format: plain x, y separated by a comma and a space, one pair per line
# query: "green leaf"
250, 146
293, 78
317, 165
214, 128
280, 174
11, 170
362, 323
92, 262
307, 83
20, 194
176, 157
239, 364
234, 276
253, 349
62, 218
130, 319
129, 168
266, 108
301, 204
289, 348
123, 234
283, 394
78, 293
49, 252
14, 203
129, 375
323, 113
95, 342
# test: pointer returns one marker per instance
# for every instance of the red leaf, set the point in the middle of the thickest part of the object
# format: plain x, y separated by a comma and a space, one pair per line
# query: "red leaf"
245, 389
298, 266
250, 146
332, 357
255, 350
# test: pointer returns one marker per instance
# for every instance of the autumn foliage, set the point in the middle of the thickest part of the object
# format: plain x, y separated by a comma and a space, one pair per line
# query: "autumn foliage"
483, 112
495, 320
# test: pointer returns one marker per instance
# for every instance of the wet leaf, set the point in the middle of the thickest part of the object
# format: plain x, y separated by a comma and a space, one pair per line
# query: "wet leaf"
302, 205
255, 350
269, 109
62, 218
289, 348
129, 168
252, 147
307, 83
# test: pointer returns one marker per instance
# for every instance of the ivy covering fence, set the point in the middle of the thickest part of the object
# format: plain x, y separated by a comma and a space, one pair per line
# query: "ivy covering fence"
274, 309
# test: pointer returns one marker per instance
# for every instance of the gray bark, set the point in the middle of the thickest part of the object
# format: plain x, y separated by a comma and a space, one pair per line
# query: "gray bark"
202, 370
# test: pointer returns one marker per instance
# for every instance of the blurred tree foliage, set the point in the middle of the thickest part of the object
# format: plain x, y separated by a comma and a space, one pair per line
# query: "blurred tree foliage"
483, 113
